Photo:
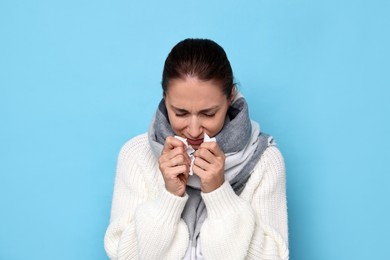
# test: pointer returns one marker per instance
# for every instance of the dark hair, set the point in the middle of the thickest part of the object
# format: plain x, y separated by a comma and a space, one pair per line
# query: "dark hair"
201, 58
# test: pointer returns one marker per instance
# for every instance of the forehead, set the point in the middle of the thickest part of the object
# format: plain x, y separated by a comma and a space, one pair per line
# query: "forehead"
191, 89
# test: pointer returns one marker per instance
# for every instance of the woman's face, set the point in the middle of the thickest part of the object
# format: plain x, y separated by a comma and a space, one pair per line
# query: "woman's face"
196, 107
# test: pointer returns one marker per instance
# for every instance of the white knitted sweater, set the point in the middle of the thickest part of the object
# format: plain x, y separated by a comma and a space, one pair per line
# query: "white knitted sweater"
145, 218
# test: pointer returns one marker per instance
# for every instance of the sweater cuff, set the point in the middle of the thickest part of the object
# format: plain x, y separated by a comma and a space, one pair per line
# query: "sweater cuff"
169, 206
222, 201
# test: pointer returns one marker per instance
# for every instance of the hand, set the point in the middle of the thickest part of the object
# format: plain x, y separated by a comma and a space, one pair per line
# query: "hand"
175, 164
209, 165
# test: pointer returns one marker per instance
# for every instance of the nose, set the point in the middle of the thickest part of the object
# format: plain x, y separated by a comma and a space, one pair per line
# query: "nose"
195, 128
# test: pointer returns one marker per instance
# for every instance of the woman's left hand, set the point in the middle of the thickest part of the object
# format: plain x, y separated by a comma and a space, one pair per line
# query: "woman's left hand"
209, 166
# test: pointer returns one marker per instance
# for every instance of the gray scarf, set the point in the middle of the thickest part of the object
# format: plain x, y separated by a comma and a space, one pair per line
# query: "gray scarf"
242, 143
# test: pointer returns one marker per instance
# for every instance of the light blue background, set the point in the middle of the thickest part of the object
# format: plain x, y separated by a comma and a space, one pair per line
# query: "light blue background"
79, 78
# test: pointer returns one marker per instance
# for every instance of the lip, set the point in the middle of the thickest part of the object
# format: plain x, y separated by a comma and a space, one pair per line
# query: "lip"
196, 142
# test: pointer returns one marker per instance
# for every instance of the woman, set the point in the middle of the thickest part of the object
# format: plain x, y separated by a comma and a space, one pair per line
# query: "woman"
181, 195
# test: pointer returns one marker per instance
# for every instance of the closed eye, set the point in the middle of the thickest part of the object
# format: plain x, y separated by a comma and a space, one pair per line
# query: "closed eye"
209, 115
181, 114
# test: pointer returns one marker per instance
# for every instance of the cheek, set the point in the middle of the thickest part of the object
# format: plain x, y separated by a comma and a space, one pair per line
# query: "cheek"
177, 124
214, 126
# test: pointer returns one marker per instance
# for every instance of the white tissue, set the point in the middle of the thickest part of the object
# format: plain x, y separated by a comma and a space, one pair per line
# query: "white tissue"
207, 138
190, 150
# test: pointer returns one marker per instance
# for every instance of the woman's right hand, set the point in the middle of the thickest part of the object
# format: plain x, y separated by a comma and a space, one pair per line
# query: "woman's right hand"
175, 164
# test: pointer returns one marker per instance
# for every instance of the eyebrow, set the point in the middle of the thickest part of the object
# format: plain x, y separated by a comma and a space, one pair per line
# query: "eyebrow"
207, 110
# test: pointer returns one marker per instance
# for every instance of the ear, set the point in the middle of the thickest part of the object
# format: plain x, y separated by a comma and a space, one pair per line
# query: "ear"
233, 94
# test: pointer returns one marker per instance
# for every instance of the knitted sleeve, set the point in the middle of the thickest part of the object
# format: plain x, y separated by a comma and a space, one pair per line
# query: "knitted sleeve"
144, 224
254, 224
228, 228
270, 238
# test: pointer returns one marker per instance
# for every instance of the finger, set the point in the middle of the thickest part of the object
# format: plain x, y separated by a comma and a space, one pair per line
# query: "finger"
179, 159
200, 172
213, 147
171, 143
205, 154
208, 162
184, 176
201, 163
170, 154
170, 168
175, 145
171, 173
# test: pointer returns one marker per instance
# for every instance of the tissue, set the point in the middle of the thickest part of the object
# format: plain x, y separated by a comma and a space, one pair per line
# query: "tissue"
190, 150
